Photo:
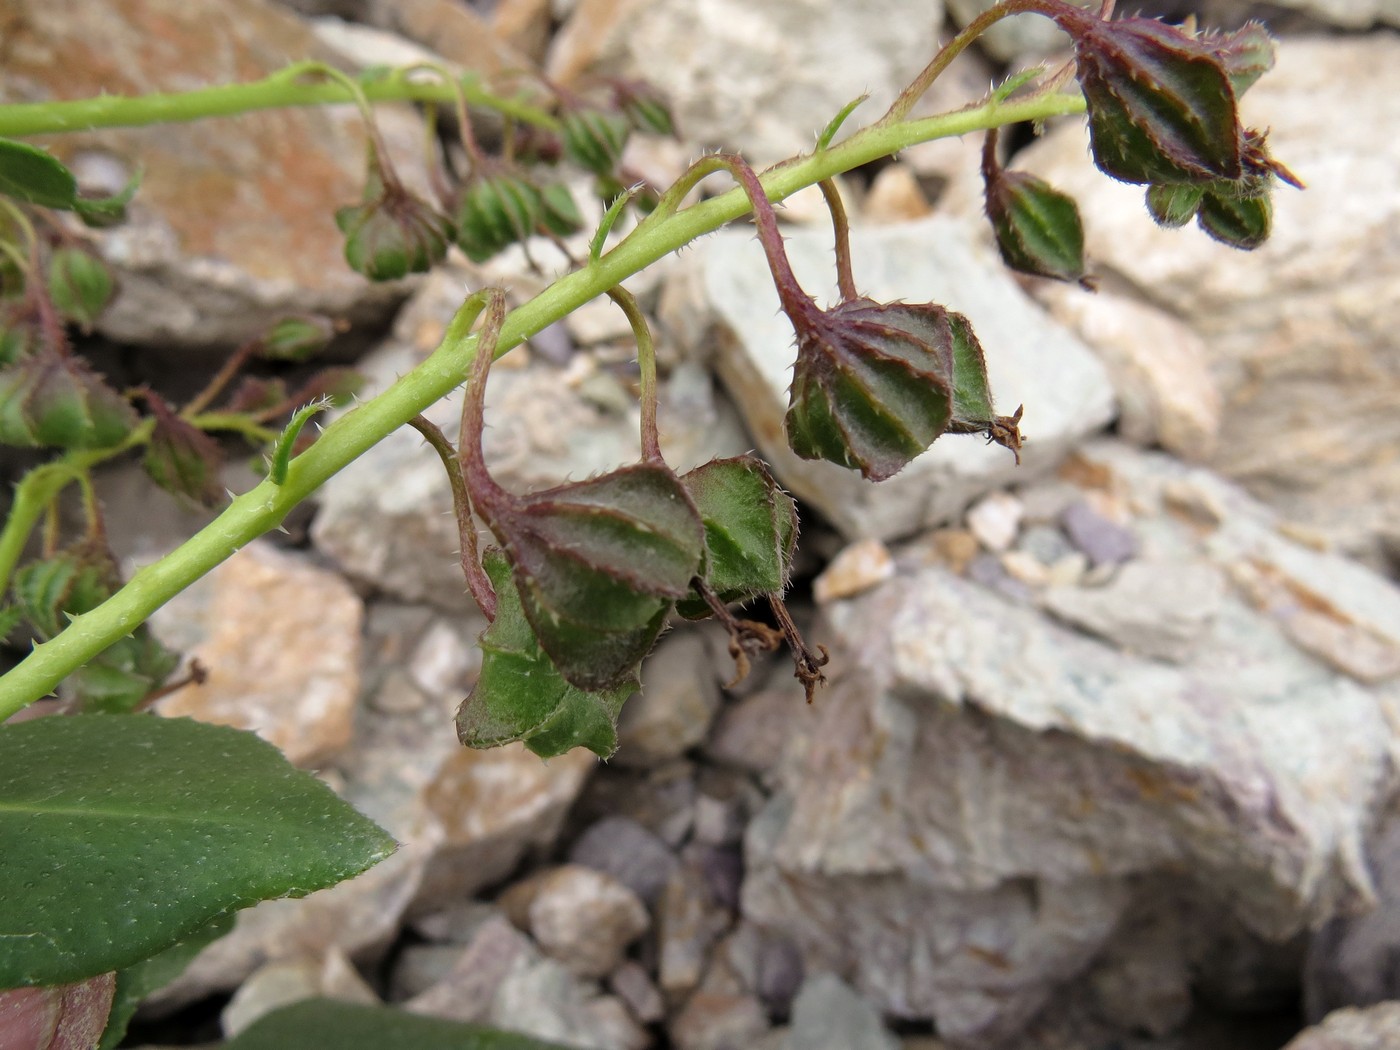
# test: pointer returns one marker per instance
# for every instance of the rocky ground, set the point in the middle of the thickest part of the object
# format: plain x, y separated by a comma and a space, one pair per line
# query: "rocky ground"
1108, 757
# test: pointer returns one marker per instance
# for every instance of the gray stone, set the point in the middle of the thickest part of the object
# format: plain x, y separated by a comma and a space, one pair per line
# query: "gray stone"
673, 711
634, 986
287, 981
420, 967
829, 1015
1102, 541
1300, 334
730, 86
629, 852
736, 309
688, 922
983, 787
579, 916
1369, 1028
1156, 608
1351, 960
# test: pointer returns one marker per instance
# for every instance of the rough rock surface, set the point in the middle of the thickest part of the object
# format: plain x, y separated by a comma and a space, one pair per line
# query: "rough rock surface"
961, 834
233, 226
735, 306
1372, 1028
758, 78
280, 640
1300, 334
580, 916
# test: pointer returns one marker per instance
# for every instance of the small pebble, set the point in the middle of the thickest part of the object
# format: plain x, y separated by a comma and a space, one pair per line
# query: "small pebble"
955, 548
1102, 541
1026, 567
858, 568
995, 520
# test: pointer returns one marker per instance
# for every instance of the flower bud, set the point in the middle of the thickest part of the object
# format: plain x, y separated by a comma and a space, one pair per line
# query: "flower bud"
750, 531
1037, 227
1161, 104
644, 107
54, 399
1174, 204
494, 212
1241, 221
80, 285
558, 212
1246, 54
297, 338
876, 383
393, 233
181, 458
594, 138
598, 564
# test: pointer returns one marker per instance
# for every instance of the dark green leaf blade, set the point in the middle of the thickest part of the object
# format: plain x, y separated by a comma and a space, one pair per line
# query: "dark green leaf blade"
150, 975
123, 835
520, 694
322, 1024
33, 175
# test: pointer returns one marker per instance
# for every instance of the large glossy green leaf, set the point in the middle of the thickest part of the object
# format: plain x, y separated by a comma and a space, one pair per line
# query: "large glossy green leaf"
322, 1024
122, 835
34, 176
520, 694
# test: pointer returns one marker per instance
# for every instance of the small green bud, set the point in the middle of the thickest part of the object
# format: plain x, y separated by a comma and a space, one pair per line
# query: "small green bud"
1240, 221
53, 399
181, 458
393, 233
595, 138
1037, 227
80, 285
645, 108
494, 212
559, 212
1174, 204
297, 338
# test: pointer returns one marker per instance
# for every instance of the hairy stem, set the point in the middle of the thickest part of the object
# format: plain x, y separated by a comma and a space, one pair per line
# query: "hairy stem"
845, 277
266, 505
646, 364
477, 581
280, 90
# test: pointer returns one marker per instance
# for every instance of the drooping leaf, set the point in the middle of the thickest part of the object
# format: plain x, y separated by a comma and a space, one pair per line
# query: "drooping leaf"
124, 835
750, 531
520, 694
150, 975
323, 1024
30, 174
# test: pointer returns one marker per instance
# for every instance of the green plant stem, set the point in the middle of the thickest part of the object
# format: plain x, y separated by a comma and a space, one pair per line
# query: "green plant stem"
282, 89
36, 491
265, 506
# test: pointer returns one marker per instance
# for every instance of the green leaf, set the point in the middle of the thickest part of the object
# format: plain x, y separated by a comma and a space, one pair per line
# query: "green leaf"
124, 835
520, 694
1174, 204
33, 175
322, 1024
750, 530
834, 125
151, 975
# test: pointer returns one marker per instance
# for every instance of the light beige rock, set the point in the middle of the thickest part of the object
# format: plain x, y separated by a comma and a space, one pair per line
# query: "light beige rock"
995, 520
287, 981
280, 640
857, 568
1354, 1028
580, 916
895, 196
1300, 334
678, 701
234, 225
